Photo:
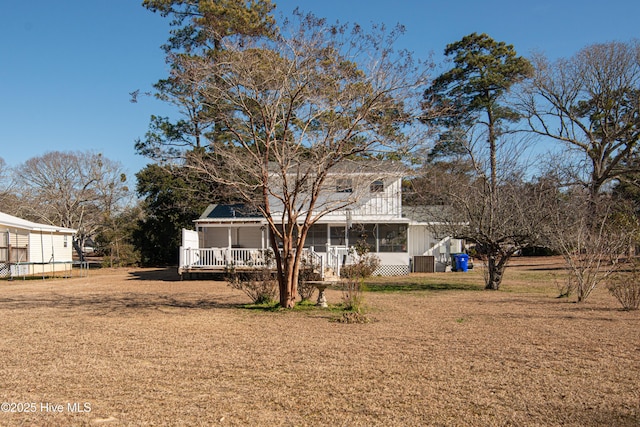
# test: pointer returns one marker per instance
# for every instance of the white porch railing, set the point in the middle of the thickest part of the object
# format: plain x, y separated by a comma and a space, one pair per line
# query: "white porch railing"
221, 258
337, 256
315, 260
224, 257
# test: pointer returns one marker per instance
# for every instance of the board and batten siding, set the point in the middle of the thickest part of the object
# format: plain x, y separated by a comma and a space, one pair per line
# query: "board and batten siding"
386, 202
420, 240
373, 206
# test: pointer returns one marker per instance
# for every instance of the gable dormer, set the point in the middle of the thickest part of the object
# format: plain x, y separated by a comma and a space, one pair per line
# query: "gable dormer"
373, 189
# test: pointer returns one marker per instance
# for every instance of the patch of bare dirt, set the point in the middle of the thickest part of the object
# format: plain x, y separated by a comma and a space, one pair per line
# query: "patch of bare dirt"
139, 347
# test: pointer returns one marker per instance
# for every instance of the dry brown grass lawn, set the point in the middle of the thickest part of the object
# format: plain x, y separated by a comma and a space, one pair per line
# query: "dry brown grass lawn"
142, 348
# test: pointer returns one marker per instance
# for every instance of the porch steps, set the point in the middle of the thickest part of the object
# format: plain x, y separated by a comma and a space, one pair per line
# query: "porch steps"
330, 275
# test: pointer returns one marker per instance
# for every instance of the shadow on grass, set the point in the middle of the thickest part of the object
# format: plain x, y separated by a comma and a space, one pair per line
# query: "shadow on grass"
556, 268
167, 274
301, 306
422, 286
103, 304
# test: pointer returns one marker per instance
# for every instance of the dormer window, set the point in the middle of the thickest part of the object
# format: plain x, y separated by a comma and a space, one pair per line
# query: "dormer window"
377, 186
344, 185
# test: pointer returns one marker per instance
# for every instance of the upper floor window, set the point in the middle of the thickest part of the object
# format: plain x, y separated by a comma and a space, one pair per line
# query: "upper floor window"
344, 185
377, 186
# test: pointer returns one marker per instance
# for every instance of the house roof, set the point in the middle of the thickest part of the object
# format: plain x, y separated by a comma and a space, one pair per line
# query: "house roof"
370, 167
427, 214
234, 211
360, 166
7, 220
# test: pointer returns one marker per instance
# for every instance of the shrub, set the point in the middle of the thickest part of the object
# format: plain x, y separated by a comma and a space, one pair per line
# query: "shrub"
627, 293
566, 286
259, 284
354, 275
625, 286
305, 275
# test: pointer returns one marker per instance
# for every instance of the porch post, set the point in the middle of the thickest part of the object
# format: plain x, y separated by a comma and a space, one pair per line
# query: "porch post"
8, 246
346, 236
229, 244
328, 236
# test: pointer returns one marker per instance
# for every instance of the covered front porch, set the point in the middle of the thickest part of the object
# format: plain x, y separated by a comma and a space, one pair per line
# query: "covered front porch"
233, 246
218, 247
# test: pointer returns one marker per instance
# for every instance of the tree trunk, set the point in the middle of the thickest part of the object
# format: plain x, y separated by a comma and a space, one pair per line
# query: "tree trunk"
288, 284
496, 265
287, 274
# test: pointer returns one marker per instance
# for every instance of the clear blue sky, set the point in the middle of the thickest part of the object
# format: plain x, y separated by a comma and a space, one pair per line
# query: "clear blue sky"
67, 66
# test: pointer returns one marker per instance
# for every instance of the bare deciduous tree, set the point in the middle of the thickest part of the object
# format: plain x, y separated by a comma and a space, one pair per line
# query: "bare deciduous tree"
593, 244
7, 197
71, 189
590, 103
500, 220
299, 107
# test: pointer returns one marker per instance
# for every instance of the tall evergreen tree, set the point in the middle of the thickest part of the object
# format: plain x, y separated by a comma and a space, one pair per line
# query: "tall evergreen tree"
474, 119
172, 200
200, 26
174, 195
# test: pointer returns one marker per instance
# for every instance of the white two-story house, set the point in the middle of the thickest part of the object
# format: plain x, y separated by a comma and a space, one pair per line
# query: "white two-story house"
235, 235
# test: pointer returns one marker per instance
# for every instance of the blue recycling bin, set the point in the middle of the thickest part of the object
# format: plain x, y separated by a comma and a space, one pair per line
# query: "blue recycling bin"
462, 262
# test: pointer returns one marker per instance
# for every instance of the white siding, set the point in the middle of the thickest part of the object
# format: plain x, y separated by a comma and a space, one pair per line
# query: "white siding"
364, 205
420, 239
49, 247
18, 241
190, 239
18, 238
393, 258
46, 251
387, 202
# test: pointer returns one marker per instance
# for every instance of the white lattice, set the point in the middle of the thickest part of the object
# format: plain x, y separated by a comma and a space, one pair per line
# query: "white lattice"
392, 270
5, 271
